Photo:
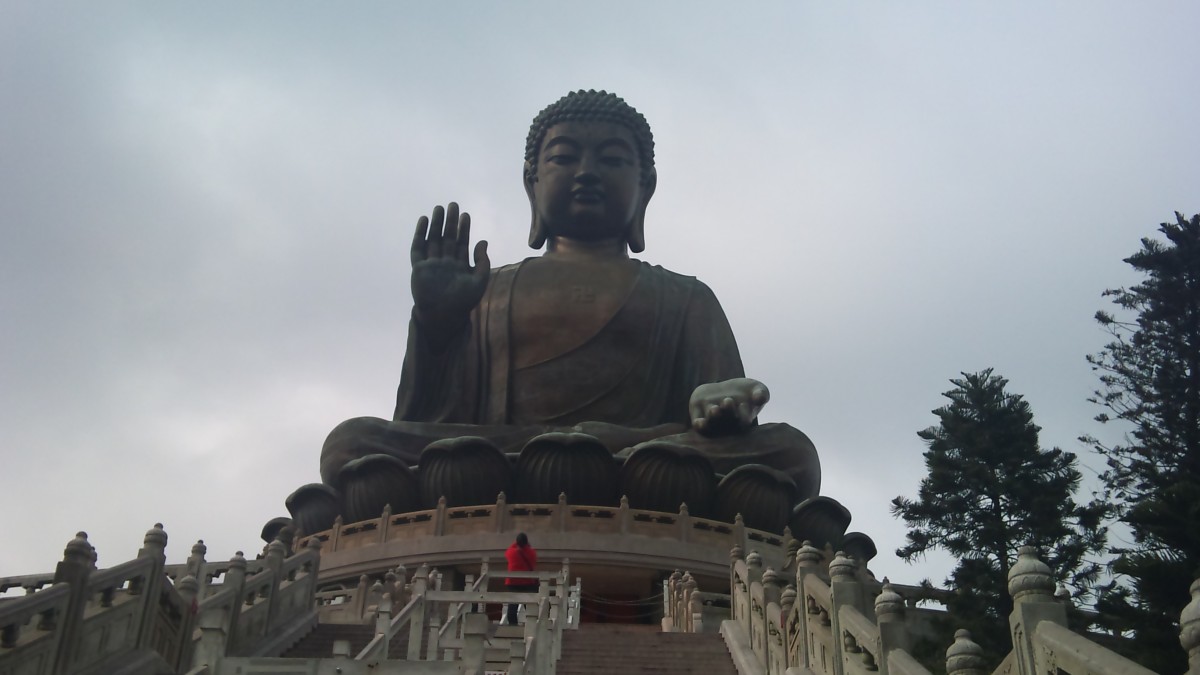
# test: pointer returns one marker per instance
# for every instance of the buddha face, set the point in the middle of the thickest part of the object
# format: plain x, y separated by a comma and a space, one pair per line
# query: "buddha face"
588, 182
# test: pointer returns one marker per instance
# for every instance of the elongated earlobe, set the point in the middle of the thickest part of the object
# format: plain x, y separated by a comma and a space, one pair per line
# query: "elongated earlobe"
537, 231
637, 229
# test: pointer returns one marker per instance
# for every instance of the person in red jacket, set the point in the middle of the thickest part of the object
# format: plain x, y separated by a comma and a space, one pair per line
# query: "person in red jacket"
521, 558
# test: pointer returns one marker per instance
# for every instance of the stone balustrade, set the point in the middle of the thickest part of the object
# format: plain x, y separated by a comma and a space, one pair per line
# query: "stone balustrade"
835, 620
144, 616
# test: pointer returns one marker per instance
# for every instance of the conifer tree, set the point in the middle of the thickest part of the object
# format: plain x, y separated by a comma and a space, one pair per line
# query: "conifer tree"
990, 490
1150, 384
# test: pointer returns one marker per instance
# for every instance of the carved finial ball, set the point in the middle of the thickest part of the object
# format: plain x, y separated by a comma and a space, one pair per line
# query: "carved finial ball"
889, 604
156, 536
1189, 622
591, 106
188, 584
198, 548
78, 546
788, 597
770, 577
842, 566
238, 561
1029, 577
808, 555
736, 553
754, 559
964, 656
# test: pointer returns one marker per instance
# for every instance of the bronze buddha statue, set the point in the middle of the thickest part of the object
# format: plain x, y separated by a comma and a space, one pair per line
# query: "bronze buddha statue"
581, 360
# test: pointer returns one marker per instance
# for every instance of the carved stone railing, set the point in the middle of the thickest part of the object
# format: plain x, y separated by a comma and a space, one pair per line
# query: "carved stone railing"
837, 621
621, 535
141, 615
96, 620
447, 632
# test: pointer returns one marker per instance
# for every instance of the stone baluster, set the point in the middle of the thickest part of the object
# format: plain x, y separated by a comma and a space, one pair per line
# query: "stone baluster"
808, 565
385, 522
683, 523
360, 596
845, 590
439, 517
433, 616
335, 534
739, 531
475, 630
1031, 585
696, 612
683, 607
1189, 630
500, 515
889, 616
383, 620
790, 548
196, 565
624, 517
276, 553
189, 590
964, 657
773, 619
77, 565
416, 625
560, 513
235, 578
154, 546
735, 554
669, 623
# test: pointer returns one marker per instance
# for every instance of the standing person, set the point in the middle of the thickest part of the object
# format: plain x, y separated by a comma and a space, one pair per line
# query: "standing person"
521, 558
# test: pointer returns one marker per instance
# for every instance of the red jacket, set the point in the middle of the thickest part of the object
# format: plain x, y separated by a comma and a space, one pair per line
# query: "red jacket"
521, 559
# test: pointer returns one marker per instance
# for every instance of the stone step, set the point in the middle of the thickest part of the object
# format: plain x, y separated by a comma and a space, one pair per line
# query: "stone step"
597, 649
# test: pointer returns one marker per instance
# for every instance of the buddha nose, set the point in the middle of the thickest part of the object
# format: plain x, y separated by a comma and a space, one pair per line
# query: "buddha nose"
585, 172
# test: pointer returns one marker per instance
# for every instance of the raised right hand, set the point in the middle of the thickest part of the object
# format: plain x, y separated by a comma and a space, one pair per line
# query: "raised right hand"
445, 287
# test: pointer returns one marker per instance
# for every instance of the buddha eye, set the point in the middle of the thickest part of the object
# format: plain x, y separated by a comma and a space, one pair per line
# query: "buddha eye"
561, 158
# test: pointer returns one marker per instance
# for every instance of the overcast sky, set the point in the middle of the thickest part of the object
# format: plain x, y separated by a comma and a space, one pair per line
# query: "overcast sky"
205, 210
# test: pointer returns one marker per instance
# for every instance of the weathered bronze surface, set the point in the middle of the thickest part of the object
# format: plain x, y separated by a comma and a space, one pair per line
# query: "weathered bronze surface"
582, 339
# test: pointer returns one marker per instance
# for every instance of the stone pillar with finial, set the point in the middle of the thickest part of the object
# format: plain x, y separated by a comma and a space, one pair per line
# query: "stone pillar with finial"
416, 625
235, 578
964, 657
1189, 629
189, 589
808, 567
1031, 585
276, 554
196, 565
79, 561
154, 548
844, 590
889, 617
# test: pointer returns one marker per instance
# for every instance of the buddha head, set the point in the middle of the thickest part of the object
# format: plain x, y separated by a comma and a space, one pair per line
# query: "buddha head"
589, 170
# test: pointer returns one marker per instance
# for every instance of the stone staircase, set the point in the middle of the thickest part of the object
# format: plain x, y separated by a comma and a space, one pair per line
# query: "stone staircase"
318, 644
629, 649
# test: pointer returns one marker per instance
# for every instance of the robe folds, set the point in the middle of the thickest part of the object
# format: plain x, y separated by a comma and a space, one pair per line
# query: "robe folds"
628, 382
638, 370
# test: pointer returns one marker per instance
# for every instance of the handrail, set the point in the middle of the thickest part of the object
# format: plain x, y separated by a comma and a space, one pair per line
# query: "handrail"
16, 613
1073, 653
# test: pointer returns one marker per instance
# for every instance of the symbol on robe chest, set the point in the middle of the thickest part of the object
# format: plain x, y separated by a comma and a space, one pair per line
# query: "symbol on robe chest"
582, 294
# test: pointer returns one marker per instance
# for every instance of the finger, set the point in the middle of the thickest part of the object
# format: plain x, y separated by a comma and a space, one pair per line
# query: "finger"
483, 264
759, 395
744, 415
417, 253
462, 247
712, 412
728, 404
433, 249
699, 423
450, 234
